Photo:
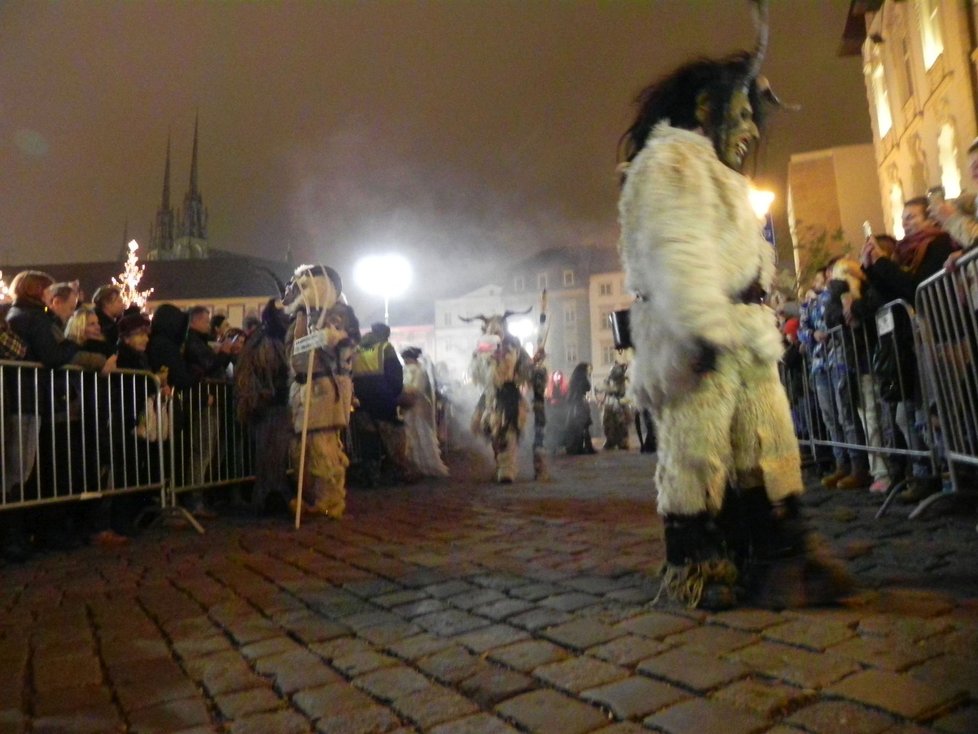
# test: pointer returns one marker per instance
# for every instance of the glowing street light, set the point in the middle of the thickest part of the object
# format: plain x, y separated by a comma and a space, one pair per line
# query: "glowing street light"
386, 276
523, 329
761, 201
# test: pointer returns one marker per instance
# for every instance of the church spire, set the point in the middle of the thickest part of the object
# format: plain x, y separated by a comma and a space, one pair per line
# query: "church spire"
165, 204
161, 232
193, 160
193, 215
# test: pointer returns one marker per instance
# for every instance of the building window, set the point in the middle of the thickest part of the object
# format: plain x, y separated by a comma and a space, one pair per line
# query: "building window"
570, 313
932, 41
607, 354
947, 158
570, 352
604, 289
541, 281
519, 284
605, 320
568, 278
896, 209
907, 69
884, 117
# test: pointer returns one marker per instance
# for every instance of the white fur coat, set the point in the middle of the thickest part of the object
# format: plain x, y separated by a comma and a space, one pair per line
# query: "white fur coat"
690, 243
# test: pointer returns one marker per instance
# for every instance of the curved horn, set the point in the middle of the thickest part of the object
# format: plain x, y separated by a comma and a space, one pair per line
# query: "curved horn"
467, 319
761, 8
507, 313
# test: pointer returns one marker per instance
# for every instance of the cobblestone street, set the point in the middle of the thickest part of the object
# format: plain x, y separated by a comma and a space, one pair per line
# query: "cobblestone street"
468, 608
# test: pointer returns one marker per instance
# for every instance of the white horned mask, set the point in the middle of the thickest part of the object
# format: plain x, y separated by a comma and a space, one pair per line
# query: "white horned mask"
315, 287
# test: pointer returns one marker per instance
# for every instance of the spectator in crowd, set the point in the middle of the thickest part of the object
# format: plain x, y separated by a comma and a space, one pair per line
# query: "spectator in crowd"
19, 446
85, 330
218, 325
419, 418
378, 381
108, 308
577, 435
922, 252
958, 217
261, 390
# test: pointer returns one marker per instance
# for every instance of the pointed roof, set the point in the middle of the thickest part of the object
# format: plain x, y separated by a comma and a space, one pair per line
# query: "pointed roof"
193, 160
165, 205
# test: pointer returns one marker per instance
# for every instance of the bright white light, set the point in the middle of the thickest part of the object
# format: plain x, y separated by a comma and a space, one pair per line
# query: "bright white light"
761, 201
386, 276
522, 329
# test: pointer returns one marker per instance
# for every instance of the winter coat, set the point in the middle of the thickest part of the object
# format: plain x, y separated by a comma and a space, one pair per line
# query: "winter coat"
202, 360
378, 378
330, 395
165, 347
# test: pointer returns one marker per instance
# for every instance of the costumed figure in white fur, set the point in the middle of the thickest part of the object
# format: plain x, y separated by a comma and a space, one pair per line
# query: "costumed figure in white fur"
314, 299
501, 367
616, 414
707, 347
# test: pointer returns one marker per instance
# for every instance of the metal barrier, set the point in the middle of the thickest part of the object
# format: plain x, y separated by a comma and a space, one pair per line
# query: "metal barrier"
73, 434
947, 304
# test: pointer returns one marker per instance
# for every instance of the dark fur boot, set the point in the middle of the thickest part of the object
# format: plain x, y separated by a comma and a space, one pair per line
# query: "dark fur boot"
789, 565
697, 572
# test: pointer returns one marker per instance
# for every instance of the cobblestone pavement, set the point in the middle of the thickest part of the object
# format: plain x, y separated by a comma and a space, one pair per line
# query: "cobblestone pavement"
467, 608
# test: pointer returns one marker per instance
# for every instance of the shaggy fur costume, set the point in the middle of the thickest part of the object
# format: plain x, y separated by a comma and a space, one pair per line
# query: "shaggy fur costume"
331, 397
691, 246
501, 414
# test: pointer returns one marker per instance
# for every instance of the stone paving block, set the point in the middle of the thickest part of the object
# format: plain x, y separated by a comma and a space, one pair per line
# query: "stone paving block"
535, 592
831, 717
224, 672
313, 628
750, 620
693, 670
280, 722
198, 626
539, 617
570, 601
270, 646
451, 622
418, 646
948, 671
331, 699
418, 608
362, 662
446, 589
475, 598
550, 712
656, 625
529, 654
503, 608
387, 634
252, 629
362, 620
397, 598
498, 581
804, 633
634, 697
68, 700
791, 664
142, 694
581, 634
67, 672
12, 721
765, 698
452, 664
433, 705
899, 694
340, 647
119, 650
194, 647
251, 701
884, 652
491, 684
296, 670
627, 650
89, 721
577, 674
370, 720
711, 639
961, 721
389, 684
369, 588
169, 716
701, 716
486, 638
478, 724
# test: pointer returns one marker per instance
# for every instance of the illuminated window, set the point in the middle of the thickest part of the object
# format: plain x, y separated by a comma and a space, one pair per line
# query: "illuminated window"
896, 209
570, 313
604, 289
907, 68
607, 354
884, 117
570, 352
605, 320
947, 159
568, 277
929, 12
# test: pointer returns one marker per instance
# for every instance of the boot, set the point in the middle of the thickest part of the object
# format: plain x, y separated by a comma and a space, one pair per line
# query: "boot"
830, 481
697, 572
859, 479
540, 472
791, 566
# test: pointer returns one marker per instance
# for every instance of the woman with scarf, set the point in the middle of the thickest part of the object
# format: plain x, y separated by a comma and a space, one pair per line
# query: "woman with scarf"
922, 252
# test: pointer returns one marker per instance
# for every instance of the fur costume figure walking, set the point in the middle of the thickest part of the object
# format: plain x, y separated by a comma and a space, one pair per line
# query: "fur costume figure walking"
616, 414
707, 346
501, 367
314, 299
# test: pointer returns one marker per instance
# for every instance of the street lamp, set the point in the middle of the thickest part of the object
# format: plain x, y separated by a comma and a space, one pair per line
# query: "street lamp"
386, 276
760, 202
523, 329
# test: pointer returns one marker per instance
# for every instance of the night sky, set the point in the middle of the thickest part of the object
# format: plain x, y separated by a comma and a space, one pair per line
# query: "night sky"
456, 132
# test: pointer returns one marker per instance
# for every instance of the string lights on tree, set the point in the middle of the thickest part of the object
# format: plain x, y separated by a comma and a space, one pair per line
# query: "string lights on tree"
128, 280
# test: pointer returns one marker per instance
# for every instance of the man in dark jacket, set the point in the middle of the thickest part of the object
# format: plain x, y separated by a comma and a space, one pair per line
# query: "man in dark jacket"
109, 307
